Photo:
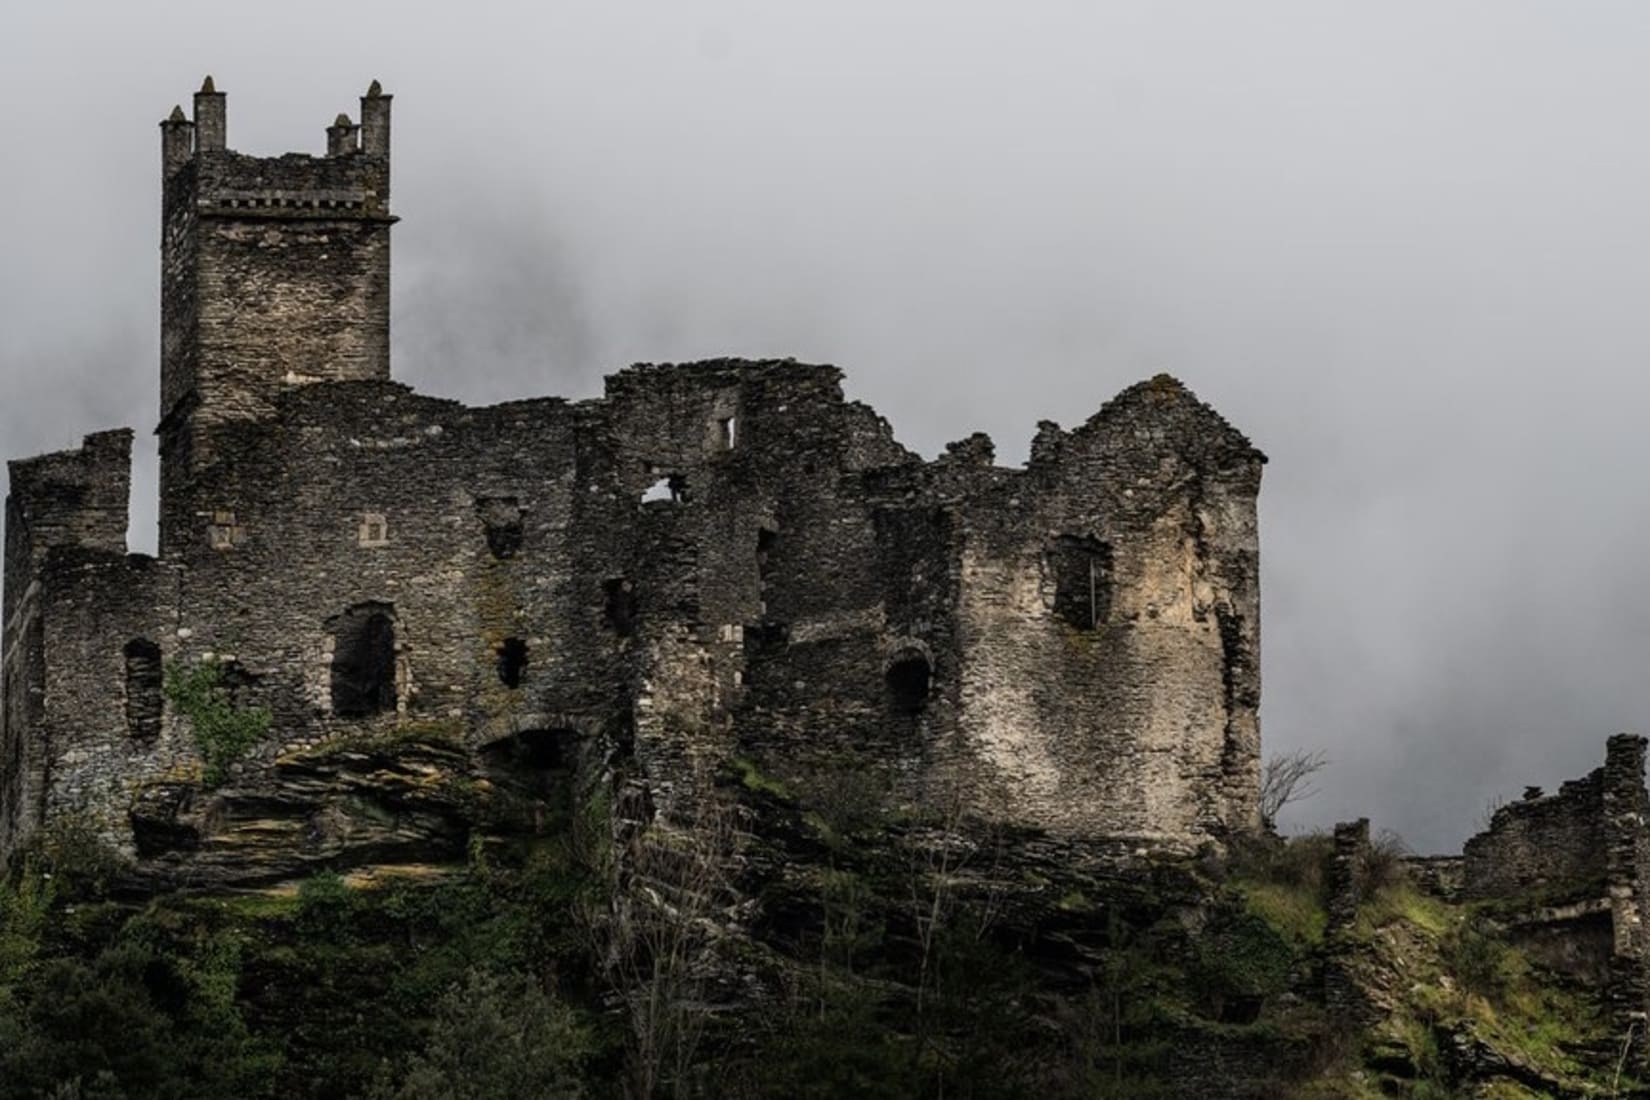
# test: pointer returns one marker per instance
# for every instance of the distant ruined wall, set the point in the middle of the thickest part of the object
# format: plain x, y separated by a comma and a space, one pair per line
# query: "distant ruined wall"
1579, 862
1550, 843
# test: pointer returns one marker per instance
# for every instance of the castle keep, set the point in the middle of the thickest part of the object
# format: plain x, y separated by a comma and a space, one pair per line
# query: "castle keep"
713, 562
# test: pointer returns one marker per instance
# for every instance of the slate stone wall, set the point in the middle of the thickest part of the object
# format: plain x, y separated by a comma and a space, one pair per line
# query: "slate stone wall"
713, 559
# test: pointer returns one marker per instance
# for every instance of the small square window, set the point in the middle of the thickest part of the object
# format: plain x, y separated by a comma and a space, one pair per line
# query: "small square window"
374, 530
223, 533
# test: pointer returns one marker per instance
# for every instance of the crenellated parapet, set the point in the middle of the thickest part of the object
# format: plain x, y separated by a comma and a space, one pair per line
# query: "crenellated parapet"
275, 272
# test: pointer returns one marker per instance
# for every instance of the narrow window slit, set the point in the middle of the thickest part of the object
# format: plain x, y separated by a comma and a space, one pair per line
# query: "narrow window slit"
144, 697
512, 662
619, 606
908, 681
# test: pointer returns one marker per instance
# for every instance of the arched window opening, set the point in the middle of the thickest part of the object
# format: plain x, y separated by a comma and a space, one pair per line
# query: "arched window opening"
144, 695
1082, 580
501, 519
512, 662
363, 661
908, 680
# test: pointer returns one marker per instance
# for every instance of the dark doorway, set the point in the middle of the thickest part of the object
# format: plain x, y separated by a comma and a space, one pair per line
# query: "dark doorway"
908, 679
512, 662
363, 661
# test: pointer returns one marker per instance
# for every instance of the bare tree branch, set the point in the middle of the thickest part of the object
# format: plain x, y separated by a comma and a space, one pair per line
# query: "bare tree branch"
1287, 778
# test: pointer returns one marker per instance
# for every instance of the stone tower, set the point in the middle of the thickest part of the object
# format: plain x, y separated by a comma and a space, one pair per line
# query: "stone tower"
275, 272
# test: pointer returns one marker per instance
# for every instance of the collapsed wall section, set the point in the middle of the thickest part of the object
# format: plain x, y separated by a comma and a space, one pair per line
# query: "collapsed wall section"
1550, 844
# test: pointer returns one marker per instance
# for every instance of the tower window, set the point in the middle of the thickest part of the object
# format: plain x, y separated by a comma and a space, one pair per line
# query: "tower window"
665, 487
619, 605
668, 487
225, 533
143, 689
727, 432
1082, 580
908, 681
363, 661
512, 662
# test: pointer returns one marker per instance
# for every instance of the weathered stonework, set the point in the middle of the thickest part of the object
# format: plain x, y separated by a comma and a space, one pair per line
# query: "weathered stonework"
711, 560
1343, 890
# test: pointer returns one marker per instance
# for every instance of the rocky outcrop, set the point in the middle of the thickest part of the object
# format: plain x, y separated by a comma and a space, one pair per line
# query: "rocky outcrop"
348, 804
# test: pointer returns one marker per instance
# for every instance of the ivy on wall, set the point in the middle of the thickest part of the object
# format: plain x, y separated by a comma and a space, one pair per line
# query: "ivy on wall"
224, 730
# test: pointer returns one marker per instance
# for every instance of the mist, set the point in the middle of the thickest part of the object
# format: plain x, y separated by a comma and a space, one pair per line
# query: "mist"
1405, 247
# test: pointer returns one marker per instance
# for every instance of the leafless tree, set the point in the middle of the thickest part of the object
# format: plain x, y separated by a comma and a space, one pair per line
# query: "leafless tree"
953, 869
1486, 816
1286, 778
675, 903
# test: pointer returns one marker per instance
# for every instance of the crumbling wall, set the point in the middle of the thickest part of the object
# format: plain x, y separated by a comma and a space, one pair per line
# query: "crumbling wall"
1344, 887
1131, 707
799, 587
69, 505
1576, 867
1553, 844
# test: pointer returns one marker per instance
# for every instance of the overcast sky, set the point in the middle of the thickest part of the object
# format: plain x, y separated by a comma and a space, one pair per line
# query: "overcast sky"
1405, 246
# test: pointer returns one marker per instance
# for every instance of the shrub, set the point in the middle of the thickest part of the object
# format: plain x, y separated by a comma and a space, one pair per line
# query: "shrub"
495, 1036
1242, 960
1480, 962
80, 862
1297, 862
25, 903
326, 907
1383, 864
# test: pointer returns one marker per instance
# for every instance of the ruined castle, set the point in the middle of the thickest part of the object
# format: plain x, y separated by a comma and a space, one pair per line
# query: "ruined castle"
710, 561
